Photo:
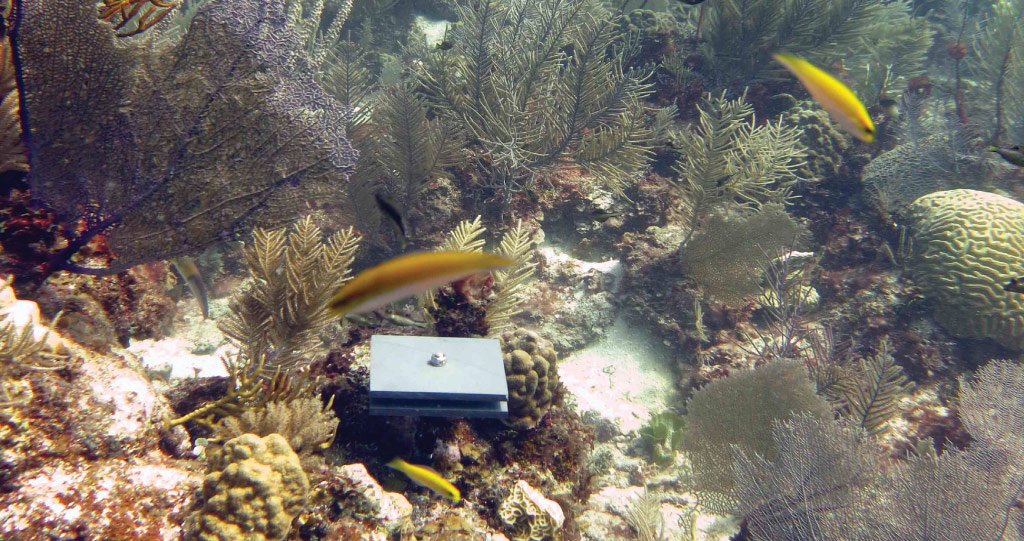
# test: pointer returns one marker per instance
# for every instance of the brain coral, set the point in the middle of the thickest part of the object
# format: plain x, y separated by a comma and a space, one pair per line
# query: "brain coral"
255, 489
530, 370
529, 515
966, 245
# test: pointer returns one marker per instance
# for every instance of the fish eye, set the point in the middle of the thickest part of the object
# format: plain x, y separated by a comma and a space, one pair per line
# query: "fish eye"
869, 129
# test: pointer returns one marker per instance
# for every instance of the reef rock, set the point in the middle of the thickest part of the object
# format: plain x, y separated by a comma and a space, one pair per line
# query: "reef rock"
363, 498
22, 314
80, 458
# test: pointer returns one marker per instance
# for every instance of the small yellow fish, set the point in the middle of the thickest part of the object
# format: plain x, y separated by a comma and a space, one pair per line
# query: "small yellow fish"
833, 95
408, 275
426, 477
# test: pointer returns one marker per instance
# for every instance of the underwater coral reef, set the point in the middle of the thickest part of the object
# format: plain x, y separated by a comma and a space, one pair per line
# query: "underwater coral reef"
528, 270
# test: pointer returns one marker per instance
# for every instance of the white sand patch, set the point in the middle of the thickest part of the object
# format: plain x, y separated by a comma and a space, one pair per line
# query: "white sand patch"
175, 354
626, 377
432, 28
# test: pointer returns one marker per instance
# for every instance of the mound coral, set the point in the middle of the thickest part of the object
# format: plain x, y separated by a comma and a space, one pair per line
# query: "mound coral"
255, 490
530, 370
966, 245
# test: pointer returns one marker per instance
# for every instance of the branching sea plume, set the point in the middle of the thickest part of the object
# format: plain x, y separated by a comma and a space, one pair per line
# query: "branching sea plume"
165, 151
411, 149
876, 39
542, 84
730, 161
998, 65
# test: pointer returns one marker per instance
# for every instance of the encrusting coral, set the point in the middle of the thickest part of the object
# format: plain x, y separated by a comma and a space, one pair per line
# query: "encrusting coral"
966, 245
255, 489
531, 374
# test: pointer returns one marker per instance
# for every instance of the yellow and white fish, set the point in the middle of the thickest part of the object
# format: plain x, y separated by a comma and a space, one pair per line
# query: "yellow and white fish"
833, 95
426, 477
408, 275
189, 272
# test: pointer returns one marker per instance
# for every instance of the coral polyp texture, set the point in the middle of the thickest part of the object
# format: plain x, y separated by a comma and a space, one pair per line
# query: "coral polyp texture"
256, 489
529, 515
967, 244
530, 371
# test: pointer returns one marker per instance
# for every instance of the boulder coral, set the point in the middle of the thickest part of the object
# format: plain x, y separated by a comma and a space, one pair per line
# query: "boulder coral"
966, 245
530, 371
256, 488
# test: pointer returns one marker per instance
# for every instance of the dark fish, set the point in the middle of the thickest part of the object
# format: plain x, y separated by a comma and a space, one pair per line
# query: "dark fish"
692, 2
1015, 285
360, 320
1014, 154
189, 272
889, 107
444, 45
400, 320
388, 209
603, 215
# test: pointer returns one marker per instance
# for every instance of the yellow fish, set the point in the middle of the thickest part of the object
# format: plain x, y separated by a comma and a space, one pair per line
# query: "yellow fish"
408, 275
833, 95
426, 477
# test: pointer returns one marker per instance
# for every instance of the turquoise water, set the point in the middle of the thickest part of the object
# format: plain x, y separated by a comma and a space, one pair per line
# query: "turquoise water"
755, 269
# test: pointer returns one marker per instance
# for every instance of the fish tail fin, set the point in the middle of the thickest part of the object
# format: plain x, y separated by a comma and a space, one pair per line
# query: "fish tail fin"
199, 290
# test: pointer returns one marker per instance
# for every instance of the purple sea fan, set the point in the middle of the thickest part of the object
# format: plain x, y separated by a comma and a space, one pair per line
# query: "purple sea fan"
165, 149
